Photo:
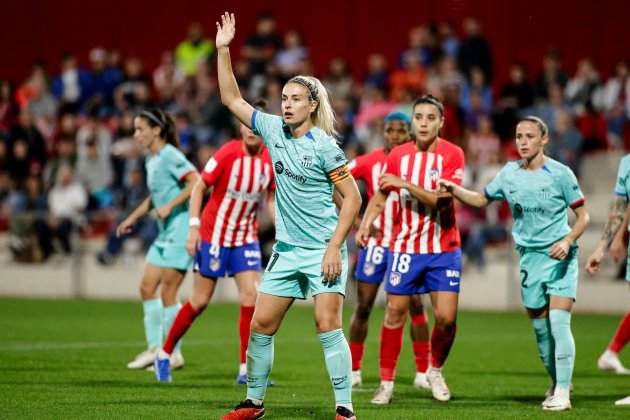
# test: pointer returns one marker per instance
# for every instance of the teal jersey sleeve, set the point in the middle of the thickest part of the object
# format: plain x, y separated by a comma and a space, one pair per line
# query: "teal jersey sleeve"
331, 155
266, 125
494, 190
622, 186
178, 166
571, 189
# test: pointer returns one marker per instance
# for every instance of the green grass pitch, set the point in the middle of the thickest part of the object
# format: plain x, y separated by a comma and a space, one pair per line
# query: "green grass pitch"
66, 360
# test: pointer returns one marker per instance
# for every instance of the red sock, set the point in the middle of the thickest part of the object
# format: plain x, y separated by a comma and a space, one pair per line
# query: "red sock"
244, 322
356, 350
391, 343
421, 348
622, 336
183, 321
441, 342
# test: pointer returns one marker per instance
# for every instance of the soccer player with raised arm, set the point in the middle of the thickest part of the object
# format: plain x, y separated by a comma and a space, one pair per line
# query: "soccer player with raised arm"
372, 259
225, 240
425, 255
539, 190
613, 240
170, 177
310, 255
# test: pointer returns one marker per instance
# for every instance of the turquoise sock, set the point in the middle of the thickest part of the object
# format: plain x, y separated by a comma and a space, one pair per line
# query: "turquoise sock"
153, 322
565, 346
338, 363
544, 339
259, 362
169, 315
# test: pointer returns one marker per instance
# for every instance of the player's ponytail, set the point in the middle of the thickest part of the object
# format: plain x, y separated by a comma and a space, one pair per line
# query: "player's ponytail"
157, 118
323, 117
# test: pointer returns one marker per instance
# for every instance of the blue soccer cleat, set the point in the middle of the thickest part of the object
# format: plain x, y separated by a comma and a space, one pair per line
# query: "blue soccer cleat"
163, 369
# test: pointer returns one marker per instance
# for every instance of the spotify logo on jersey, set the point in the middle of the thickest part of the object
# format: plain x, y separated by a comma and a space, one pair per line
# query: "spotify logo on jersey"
279, 167
518, 210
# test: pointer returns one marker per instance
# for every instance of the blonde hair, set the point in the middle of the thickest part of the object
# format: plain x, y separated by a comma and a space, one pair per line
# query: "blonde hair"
323, 117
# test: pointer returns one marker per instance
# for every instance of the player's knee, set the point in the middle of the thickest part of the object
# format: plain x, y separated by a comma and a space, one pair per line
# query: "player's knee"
328, 322
362, 312
147, 290
264, 325
445, 321
199, 302
248, 297
394, 316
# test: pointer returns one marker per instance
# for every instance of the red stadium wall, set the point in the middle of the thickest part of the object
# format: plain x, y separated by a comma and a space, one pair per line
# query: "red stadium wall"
517, 30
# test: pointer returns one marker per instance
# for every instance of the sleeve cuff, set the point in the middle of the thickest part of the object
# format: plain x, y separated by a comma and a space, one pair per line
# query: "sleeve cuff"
185, 174
485, 193
253, 123
578, 203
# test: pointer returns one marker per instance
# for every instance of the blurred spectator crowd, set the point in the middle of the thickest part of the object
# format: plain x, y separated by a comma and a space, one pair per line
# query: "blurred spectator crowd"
68, 159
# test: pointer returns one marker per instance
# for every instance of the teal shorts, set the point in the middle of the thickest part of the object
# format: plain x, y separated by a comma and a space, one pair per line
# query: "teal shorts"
543, 276
169, 256
294, 271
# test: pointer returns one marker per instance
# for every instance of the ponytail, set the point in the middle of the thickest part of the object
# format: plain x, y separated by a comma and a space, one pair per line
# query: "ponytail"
323, 117
157, 118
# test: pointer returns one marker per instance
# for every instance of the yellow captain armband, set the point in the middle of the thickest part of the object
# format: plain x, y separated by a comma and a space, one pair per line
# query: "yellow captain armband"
339, 174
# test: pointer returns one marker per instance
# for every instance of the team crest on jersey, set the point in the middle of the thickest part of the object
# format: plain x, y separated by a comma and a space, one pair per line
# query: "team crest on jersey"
262, 179
306, 161
215, 264
545, 194
434, 175
394, 278
369, 269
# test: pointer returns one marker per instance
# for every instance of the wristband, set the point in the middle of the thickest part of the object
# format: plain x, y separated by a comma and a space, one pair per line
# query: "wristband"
194, 222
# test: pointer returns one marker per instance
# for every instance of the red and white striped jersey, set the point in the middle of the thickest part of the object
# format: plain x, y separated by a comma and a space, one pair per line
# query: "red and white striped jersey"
424, 230
239, 181
368, 168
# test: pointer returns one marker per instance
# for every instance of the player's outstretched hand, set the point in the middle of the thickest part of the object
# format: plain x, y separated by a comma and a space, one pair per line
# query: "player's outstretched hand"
331, 264
560, 249
594, 261
225, 30
192, 243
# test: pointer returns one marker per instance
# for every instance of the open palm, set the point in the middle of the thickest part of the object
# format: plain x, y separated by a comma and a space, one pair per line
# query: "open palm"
225, 30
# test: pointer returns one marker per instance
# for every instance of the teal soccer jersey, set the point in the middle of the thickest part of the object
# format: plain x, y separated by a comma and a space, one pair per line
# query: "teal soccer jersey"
304, 169
165, 175
622, 186
538, 200
622, 189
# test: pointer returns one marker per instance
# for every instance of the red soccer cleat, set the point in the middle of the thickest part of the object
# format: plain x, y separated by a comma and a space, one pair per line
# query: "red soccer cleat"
246, 410
344, 414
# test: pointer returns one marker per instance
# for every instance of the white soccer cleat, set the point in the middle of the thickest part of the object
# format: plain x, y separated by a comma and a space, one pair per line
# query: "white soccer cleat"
610, 361
177, 360
623, 401
421, 382
560, 401
438, 385
356, 378
383, 394
144, 359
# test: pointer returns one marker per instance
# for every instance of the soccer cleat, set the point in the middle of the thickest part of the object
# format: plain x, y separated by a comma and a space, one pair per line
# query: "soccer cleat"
356, 378
177, 360
438, 385
246, 410
552, 387
560, 401
162, 368
610, 361
144, 359
344, 414
420, 382
623, 401
383, 394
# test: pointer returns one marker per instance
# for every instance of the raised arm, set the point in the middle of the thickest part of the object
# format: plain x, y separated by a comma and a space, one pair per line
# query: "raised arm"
471, 198
194, 210
230, 94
